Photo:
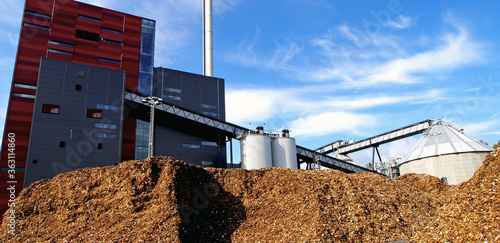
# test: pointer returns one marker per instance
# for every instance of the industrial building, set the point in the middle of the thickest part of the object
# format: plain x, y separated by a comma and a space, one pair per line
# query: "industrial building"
67, 110
82, 73
447, 153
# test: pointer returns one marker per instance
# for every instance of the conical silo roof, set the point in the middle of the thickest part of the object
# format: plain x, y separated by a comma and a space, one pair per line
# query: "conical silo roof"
444, 139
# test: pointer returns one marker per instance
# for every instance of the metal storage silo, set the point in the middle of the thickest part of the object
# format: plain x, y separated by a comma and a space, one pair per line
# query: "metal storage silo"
256, 151
447, 153
284, 151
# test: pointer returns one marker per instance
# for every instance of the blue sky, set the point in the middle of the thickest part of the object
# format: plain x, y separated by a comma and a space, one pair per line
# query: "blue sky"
328, 70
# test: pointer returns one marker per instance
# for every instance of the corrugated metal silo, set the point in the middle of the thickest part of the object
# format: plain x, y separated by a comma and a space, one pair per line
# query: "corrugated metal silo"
447, 153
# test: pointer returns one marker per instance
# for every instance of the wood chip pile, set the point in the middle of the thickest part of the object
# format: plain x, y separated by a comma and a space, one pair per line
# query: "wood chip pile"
164, 200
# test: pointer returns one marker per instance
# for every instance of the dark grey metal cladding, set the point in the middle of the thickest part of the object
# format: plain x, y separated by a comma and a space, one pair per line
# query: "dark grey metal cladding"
70, 140
190, 148
182, 139
192, 91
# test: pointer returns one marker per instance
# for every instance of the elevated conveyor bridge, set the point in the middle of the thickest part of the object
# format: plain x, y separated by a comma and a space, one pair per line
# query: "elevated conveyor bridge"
345, 147
202, 125
342, 147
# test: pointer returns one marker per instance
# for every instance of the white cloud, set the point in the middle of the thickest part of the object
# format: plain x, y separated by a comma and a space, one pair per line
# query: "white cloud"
246, 106
403, 22
221, 7
308, 104
244, 54
481, 128
456, 50
393, 150
399, 148
349, 55
247, 53
330, 122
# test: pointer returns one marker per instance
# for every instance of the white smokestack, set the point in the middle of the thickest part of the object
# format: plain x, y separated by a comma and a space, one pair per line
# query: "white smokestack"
208, 47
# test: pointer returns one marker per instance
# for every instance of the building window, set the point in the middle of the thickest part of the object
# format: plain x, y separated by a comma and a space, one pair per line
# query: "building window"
25, 86
45, 16
35, 161
146, 57
89, 18
105, 135
213, 107
47, 108
61, 52
111, 30
141, 139
36, 26
78, 87
173, 90
80, 74
191, 146
92, 113
99, 146
107, 107
171, 97
207, 163
62, 144
109, 60
106, 126
207, 143
82, 34
24, 95
111, 42
206, 113
61, 43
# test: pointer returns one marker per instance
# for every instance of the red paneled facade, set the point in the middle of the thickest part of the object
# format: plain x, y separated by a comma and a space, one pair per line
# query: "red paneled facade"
74, 32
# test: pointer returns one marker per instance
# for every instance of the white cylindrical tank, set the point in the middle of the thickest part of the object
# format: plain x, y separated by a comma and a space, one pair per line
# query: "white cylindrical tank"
256, 152
284, 151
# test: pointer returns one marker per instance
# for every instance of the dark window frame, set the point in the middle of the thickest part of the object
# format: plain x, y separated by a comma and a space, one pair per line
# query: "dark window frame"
86, 35
51, 109
32, 13
89, 18
94, 113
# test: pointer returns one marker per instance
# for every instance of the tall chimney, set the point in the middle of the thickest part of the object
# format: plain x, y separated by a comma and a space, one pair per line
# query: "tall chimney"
208, 47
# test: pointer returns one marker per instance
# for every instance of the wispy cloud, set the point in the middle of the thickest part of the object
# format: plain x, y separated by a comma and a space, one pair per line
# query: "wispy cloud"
11, 12
402, 22
221, 7
453, 49
490, 127
6, 62
178, 24
248, 53
310, 111
330, 122
348, 55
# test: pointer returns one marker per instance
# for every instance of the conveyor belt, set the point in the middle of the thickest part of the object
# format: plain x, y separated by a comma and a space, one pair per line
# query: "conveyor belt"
209, 124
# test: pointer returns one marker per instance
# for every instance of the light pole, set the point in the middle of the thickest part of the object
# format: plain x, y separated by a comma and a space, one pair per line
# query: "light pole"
152, 101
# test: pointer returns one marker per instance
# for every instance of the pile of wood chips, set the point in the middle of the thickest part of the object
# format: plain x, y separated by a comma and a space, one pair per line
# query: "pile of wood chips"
164, 200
